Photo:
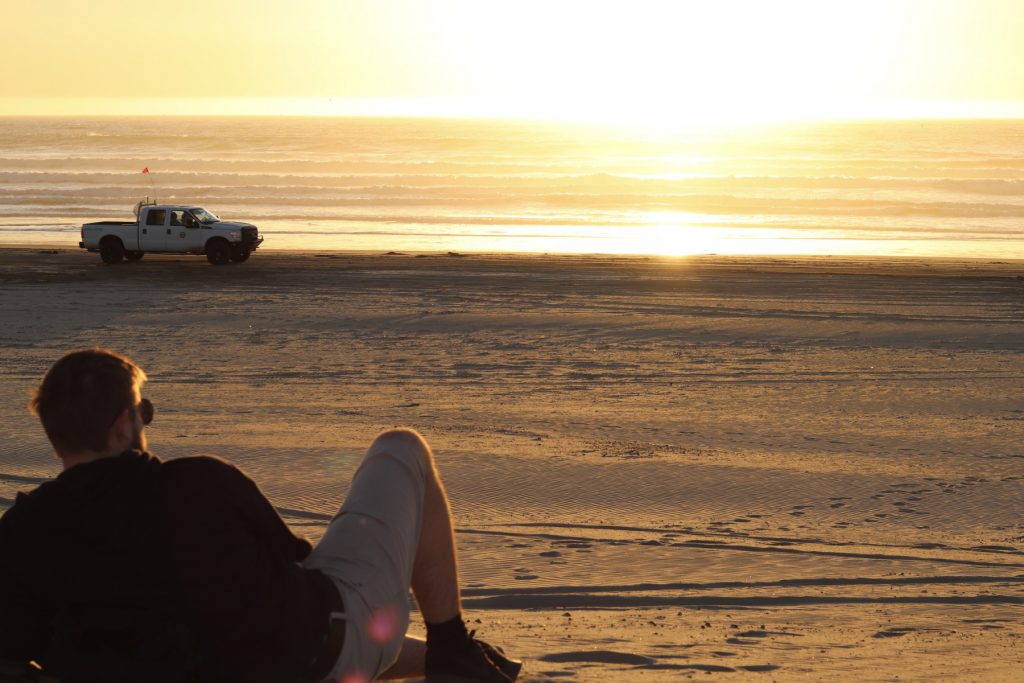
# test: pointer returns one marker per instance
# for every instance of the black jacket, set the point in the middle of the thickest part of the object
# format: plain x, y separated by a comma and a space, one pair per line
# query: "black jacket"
191, 539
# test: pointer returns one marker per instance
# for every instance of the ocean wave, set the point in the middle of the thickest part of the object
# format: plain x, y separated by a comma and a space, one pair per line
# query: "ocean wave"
581, 183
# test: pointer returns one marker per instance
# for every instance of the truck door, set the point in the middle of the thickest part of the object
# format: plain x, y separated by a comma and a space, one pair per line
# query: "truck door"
185, 232
153, 230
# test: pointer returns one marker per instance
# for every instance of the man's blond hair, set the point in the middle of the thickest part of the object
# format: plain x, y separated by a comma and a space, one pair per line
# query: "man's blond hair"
81, 396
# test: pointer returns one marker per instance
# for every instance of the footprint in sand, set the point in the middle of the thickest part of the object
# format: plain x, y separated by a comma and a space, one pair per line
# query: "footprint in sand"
894, 632
761, 633
598, 657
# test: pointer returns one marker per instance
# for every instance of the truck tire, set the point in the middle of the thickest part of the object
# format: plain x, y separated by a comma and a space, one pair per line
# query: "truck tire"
133, 255
218, 251
238, 254
111, 250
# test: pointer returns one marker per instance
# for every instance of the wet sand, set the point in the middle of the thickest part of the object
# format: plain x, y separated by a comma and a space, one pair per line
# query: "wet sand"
754, 467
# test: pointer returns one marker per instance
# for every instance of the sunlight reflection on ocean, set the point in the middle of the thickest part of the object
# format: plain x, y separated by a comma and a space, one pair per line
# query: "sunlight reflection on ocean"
952, 188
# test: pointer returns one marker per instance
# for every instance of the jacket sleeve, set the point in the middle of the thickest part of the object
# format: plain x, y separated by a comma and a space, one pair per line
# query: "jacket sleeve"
24, 619
259, 512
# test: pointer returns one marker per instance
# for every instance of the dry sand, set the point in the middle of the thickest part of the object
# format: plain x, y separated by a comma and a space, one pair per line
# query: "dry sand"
774, 469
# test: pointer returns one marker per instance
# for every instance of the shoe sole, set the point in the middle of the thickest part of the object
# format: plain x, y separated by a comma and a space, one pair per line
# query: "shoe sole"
513, 671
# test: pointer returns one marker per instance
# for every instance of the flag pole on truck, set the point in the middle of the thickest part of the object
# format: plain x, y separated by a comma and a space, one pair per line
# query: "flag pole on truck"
145, 172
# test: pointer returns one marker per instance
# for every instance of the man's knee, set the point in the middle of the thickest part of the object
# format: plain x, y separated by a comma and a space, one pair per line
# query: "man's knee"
410, 437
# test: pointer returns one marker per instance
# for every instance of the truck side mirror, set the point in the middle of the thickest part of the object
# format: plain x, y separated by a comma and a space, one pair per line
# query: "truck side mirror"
189, 220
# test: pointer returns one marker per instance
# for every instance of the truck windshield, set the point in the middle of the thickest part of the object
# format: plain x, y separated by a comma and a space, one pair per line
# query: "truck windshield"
204, 216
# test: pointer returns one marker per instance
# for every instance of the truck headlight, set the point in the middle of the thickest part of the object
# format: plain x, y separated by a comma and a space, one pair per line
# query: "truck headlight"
232, 233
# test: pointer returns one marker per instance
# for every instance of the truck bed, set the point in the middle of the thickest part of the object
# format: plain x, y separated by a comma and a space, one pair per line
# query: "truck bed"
111, 223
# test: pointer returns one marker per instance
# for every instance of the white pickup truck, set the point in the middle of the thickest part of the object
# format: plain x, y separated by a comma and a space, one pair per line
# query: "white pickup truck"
171, 229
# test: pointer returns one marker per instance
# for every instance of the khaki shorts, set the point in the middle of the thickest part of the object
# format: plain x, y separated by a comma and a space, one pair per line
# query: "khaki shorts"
368, 550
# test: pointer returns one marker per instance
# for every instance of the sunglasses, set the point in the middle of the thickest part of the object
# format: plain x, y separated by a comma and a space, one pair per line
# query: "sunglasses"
146, 411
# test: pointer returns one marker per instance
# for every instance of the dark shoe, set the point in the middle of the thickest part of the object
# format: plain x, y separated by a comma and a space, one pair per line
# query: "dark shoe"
509, 667
469, 661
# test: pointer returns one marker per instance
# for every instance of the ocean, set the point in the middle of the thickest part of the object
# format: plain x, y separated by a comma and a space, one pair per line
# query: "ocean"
931, 188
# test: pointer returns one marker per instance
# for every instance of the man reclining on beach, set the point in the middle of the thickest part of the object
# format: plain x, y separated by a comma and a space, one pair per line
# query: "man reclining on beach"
124, 545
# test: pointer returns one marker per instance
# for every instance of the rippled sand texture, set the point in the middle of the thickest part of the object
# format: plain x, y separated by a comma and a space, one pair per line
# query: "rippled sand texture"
780, 468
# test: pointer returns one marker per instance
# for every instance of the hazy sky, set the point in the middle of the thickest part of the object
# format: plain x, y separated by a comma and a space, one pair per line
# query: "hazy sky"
615, 58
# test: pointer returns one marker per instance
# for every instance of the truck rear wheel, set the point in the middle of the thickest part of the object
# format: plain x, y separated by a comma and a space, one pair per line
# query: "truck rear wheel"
111, 250
218, 251
133, 255
238, 254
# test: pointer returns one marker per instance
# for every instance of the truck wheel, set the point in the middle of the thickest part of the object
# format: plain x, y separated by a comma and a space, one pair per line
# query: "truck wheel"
238, 254
111, 250
133, 255
218, 251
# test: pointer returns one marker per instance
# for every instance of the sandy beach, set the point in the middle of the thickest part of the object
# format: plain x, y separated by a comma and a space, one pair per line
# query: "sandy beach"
756, 468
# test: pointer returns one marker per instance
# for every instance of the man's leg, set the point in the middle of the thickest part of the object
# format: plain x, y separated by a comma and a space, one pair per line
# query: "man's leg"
435, 583
369, 549
435, 572
432, 569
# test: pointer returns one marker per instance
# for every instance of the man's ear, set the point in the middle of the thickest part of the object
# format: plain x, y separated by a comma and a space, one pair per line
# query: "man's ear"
119, 437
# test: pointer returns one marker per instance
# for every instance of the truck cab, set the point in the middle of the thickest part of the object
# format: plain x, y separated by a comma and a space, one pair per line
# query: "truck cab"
171, 229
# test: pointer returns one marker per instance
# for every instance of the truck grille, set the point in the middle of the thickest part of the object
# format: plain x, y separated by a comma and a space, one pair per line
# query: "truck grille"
250, 236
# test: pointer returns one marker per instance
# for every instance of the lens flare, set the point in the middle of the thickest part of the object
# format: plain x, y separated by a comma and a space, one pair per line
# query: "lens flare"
384, 624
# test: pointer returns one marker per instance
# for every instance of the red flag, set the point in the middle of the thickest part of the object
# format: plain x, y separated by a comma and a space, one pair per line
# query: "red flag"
146, 170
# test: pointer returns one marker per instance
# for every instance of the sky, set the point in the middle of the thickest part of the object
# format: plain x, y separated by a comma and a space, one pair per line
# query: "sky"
567, 59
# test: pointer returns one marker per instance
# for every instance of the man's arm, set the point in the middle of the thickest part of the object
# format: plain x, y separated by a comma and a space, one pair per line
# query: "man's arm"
261, 513
232, 486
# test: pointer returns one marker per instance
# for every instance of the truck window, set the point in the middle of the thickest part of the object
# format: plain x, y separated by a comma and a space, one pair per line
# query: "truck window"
176, 218
156, 216
204, 216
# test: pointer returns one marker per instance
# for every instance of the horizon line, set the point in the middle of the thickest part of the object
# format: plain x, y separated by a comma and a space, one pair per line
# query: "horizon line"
491, 109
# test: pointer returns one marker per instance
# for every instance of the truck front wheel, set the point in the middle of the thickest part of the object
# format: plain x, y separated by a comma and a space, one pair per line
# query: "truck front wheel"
218, 251
238, 254
111, 250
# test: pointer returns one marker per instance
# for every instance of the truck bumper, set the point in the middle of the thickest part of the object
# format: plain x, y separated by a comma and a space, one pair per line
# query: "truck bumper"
250, 245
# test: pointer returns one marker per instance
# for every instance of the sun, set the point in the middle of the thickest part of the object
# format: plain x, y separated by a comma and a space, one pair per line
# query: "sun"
672, 61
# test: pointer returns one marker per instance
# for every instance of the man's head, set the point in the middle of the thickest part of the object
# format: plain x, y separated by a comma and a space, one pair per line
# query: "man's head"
89, 404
